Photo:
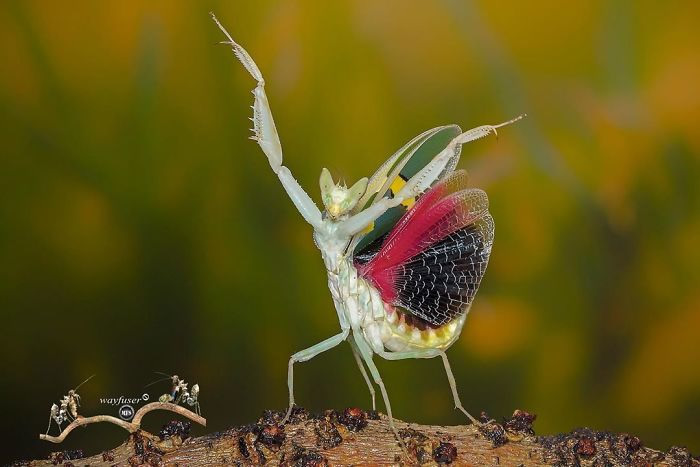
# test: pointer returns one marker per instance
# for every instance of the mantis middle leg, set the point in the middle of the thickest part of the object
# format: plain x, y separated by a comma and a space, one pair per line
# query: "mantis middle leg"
49, 428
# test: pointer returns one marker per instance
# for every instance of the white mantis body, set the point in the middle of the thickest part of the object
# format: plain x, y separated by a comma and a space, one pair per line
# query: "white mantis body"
368, 322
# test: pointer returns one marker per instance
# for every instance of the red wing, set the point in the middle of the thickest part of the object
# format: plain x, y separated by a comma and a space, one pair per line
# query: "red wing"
432, 262
451, 184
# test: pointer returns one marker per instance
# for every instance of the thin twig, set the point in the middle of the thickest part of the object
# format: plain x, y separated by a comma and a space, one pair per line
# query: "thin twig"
130, 427
167, 406
135, 424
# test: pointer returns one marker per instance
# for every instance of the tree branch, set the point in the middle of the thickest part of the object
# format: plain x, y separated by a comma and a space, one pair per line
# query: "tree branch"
356, 437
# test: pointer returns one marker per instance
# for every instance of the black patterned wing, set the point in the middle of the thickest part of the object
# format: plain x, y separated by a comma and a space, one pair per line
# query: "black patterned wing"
439, 284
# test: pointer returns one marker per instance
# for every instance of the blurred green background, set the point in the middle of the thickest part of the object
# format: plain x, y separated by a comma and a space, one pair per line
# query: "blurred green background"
140, 230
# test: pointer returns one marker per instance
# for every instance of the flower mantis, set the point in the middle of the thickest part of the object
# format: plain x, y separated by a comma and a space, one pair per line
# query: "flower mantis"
405, 249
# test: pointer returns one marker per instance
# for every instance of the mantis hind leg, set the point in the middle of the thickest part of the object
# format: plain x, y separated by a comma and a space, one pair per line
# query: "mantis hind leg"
308, 354
430, 353
360, 365
453, 387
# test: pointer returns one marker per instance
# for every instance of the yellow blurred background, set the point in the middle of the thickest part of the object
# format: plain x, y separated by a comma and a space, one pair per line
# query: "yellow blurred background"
140, 230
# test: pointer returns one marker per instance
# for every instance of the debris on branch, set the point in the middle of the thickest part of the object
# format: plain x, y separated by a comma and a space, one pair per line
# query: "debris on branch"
356, 437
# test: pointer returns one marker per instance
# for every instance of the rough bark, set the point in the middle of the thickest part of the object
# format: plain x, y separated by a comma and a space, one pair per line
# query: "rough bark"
354, 437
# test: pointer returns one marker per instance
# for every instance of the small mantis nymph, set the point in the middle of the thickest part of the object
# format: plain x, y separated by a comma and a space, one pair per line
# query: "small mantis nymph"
179, 394
67, 411
405, 250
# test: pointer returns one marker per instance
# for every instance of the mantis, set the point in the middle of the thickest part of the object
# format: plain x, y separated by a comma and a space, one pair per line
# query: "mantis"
68, 408
179, 394
405, 249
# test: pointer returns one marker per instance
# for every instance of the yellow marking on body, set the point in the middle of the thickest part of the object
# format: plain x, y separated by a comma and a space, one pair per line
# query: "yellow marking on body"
434, 338
396, 186
369, 228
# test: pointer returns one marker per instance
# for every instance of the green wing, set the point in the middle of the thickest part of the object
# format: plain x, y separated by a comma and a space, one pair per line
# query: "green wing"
394, 173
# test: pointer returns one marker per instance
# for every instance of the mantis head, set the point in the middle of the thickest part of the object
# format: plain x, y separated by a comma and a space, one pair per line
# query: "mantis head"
338, 199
